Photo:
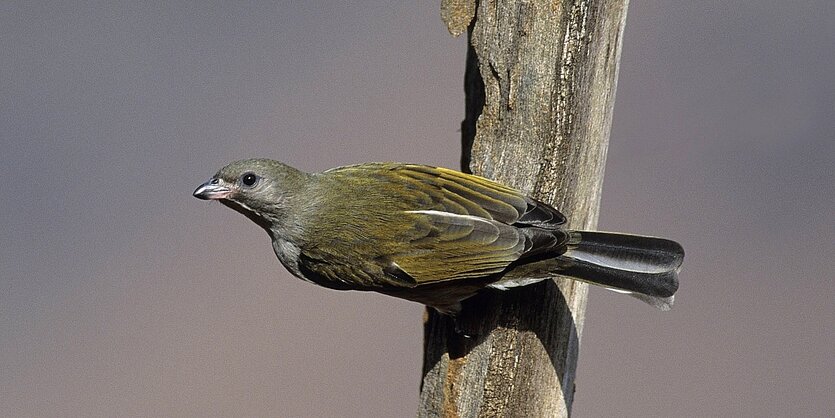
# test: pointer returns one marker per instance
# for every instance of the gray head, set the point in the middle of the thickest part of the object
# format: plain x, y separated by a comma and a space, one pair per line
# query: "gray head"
257, 188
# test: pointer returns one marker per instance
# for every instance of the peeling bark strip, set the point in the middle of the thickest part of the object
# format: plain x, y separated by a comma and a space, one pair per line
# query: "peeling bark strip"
540, 84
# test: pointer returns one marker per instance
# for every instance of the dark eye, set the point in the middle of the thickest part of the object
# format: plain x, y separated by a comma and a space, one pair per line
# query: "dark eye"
249, 179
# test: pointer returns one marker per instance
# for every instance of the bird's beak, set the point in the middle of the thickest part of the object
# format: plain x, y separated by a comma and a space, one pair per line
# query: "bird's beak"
213, 189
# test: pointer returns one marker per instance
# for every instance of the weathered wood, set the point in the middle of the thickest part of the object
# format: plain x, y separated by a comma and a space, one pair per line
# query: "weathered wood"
540, 86
457, 15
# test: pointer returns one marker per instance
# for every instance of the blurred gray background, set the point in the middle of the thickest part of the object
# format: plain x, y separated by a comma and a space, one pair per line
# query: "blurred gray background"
121, 295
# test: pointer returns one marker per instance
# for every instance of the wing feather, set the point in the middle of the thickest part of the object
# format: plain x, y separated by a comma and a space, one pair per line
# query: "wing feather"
481, 197
463, 246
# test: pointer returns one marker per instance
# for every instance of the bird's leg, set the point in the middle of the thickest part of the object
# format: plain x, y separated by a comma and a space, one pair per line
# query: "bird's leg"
461, 329
454, 312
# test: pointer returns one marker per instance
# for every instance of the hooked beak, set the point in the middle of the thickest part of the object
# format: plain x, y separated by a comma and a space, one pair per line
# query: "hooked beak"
213, 189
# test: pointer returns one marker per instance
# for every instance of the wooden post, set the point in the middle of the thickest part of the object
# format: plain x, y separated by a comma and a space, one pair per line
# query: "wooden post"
540, 86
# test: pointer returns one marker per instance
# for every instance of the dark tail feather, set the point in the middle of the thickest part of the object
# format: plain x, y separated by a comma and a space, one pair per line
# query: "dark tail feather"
645, 267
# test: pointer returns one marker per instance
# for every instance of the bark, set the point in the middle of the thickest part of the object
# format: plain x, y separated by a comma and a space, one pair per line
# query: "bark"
540, 86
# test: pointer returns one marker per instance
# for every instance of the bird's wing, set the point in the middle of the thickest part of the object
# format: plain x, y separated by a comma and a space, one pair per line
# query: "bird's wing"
432, 246
464, 226
419, 225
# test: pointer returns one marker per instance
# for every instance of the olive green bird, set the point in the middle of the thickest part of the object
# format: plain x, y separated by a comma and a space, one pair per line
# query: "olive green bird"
432, 235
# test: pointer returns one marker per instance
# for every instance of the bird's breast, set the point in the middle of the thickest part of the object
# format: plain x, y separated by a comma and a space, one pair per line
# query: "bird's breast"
288, 254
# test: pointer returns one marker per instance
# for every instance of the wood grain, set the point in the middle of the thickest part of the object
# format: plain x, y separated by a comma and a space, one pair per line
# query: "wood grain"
540, 86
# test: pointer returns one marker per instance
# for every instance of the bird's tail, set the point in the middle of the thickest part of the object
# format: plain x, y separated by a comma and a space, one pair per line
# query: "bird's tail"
645, 267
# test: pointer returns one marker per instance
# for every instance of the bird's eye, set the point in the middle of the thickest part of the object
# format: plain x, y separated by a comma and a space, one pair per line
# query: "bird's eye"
249, 179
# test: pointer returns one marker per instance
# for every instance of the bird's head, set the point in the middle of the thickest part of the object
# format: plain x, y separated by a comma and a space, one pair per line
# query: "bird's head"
258, 188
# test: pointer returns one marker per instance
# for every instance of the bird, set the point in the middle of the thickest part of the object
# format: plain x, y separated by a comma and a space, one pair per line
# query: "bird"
432, 235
